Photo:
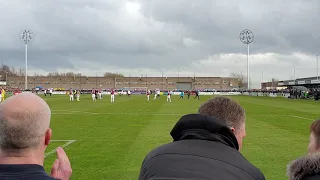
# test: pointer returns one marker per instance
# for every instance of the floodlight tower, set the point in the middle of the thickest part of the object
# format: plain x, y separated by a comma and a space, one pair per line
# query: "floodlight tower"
317, 66
26, 36
246, 37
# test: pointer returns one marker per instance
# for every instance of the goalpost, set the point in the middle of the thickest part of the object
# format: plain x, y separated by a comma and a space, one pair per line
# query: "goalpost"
136, 90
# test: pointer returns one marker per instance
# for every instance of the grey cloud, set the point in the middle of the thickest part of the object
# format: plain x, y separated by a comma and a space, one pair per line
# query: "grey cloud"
286, 24
68, 32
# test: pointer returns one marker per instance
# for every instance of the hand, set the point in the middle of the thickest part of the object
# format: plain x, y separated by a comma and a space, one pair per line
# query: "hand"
61, 168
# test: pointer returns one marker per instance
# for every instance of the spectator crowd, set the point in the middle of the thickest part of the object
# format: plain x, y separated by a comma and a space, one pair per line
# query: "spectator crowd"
205, 145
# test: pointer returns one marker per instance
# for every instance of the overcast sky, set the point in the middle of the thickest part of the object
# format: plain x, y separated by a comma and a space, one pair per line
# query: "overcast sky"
173, 37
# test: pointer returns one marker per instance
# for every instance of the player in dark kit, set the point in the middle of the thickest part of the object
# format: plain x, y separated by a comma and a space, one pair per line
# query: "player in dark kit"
181, 95
188, 93
197, 95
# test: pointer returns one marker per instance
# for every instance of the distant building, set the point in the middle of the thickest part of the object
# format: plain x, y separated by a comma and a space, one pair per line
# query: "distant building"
309, 82
164, 83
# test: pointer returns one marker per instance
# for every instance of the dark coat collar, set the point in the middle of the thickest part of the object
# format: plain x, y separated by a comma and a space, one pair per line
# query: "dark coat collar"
196, 126
21, 168
303, 167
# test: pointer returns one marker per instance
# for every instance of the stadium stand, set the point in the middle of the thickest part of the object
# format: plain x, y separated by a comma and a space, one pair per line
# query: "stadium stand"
83, 82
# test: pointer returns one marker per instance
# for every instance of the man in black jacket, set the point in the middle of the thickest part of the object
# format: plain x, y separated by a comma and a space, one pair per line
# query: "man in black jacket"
203, 147
24, 137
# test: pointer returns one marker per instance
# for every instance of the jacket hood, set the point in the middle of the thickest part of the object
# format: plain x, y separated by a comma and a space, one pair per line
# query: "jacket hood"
305, 166
197, 126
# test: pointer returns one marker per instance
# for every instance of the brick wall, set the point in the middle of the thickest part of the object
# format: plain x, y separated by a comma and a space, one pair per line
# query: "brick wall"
106, 83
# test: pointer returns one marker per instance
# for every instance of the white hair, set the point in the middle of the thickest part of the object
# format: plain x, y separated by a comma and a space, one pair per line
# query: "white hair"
24, 119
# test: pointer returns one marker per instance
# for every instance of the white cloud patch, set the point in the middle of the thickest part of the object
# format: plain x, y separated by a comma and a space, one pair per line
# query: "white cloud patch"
189, 42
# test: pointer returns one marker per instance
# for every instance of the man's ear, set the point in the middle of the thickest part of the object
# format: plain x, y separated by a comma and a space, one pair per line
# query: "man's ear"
233, 130
48, 137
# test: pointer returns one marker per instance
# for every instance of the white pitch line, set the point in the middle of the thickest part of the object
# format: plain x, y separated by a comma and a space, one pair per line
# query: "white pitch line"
99, 113
302, 117
61, 110
61, 140
64, 112
63, 146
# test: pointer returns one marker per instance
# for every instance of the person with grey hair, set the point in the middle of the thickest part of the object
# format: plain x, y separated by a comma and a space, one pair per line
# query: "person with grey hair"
205, 146
24, 136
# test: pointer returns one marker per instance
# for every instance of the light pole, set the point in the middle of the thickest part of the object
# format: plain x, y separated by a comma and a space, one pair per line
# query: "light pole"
26, 36
317, 67
294, 73
246, 37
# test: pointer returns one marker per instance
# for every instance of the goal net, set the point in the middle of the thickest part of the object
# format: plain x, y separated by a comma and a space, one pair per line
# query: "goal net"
136, 90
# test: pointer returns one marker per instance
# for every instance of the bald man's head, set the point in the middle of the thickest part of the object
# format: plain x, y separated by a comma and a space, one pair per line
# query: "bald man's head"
24, 121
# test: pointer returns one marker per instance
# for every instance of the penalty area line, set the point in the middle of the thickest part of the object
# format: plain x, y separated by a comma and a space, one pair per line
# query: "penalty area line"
302, 117
63, 146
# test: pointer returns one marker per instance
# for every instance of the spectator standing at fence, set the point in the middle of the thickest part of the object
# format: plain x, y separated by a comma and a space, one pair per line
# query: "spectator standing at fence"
189, 94
308, 167
24, 137
205, 146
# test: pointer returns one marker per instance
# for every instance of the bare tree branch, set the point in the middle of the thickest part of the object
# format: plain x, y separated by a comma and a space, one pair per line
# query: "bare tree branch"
110, 74
241, 78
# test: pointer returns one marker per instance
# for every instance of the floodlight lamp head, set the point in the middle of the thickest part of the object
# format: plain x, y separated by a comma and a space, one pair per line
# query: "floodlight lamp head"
246, 36
26, 36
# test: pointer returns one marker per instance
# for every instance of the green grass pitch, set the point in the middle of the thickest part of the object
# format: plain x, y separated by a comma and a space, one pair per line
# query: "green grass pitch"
112, 139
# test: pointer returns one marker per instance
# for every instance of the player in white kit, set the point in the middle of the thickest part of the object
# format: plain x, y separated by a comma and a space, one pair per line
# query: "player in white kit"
169, 96
78, 95
112, 96
148, 95
93, 94
157, 94
71, 95
99, 94
50, 91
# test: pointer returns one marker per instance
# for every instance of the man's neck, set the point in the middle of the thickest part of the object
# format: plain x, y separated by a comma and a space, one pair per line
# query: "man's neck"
21, 157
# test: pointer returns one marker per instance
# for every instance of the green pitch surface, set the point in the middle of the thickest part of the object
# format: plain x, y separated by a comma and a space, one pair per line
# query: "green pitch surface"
109, 141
